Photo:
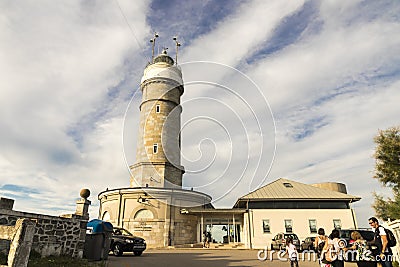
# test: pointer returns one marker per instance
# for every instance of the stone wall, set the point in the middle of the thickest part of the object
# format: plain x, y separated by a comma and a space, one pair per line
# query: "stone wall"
21, 236
53, 235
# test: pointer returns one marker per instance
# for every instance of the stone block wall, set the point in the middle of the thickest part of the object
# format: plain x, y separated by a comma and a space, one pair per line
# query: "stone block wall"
53, 235
21, 236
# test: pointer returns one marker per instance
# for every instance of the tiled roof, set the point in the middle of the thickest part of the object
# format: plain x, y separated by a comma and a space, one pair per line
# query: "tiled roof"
295, 191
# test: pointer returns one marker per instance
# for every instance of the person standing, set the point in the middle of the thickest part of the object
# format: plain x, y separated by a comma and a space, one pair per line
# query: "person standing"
320, 240
338, 250
381, 241
319, 244
292, 252
204, 239
208, 241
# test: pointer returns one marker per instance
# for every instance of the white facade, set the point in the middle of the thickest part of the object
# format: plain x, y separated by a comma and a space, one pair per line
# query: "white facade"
283, 206
300, 219
395, 227
286, 206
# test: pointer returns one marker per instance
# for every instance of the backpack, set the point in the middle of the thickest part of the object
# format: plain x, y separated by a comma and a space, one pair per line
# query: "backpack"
389, 235
329, 255
321, 246
390, 238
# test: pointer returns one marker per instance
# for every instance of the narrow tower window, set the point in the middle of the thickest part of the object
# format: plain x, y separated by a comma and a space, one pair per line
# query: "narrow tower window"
155, 148
157, 108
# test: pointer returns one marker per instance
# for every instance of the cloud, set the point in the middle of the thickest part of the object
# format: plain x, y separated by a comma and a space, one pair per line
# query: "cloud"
65, 66
329, 71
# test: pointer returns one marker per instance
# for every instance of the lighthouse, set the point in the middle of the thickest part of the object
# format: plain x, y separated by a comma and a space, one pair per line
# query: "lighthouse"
158, 143
155, 206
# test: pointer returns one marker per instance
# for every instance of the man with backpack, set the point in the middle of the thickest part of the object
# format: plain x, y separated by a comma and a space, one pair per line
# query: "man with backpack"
319, 244
381, 240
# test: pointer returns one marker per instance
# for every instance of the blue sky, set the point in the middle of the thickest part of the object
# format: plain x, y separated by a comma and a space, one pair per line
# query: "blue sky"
328, 71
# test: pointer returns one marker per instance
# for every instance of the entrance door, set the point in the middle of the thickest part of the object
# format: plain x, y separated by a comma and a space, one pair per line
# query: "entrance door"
224, 233
223, 230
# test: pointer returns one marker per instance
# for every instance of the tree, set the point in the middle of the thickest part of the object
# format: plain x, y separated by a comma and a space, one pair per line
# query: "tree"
387, 208
387, 171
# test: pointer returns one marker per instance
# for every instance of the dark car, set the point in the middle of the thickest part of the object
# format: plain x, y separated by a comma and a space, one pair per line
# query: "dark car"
345, 234
308, 243
368, 235
279, 241
123, 241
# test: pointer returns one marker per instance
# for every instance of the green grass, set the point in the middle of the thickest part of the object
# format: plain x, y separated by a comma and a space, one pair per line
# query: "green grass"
36, 261
63, 262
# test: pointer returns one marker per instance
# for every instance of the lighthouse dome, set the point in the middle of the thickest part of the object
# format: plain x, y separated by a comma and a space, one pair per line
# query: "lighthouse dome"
162, 67
163, 57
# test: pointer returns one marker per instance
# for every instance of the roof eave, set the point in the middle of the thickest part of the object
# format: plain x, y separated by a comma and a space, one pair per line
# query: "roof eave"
353, 199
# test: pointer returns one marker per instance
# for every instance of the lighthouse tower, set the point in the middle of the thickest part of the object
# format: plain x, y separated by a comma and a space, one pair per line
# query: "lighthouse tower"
158, 142
155, 206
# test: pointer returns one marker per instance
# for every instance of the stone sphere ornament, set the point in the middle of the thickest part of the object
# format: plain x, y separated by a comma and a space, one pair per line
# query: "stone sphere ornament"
85, 193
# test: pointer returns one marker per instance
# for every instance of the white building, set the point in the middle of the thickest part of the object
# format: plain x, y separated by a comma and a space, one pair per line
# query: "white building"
281, 206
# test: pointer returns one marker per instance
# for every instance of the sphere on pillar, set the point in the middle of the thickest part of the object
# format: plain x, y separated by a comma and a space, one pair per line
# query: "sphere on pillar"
84, 193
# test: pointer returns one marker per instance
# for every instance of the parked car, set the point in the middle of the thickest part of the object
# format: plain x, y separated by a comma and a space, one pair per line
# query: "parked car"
308, 243
279, 241
345, 234
123, 241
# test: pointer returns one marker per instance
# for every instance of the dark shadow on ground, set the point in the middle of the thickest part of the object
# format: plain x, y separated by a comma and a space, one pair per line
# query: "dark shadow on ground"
194, 258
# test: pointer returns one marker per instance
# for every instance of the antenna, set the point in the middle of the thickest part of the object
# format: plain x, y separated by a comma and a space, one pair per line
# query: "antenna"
153, 41
178, 44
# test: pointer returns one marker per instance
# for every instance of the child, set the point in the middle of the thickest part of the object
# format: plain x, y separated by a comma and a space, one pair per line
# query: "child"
292, 252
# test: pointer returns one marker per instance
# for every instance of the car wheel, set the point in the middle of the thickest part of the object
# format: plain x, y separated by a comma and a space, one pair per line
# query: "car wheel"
117, 250
138, 253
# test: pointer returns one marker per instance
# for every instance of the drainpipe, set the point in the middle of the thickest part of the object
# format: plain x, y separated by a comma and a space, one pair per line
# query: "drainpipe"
119, 208
353, 215
170, 223
248, 219
100, 209
234, 229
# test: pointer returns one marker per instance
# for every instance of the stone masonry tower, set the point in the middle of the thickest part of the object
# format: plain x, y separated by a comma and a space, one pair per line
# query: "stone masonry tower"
158, 142
155, 205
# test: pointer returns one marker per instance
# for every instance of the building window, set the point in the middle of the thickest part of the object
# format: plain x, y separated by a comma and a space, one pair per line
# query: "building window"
337, 224
288, 185
266, 228
143, 214
157, 108
155, 148
288, 226
313, 226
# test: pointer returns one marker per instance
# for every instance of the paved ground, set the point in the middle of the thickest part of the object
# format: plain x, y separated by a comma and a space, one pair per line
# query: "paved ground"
201, 258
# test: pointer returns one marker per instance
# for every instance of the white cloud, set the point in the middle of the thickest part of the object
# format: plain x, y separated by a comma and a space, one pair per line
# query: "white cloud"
68, 69
60, 61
